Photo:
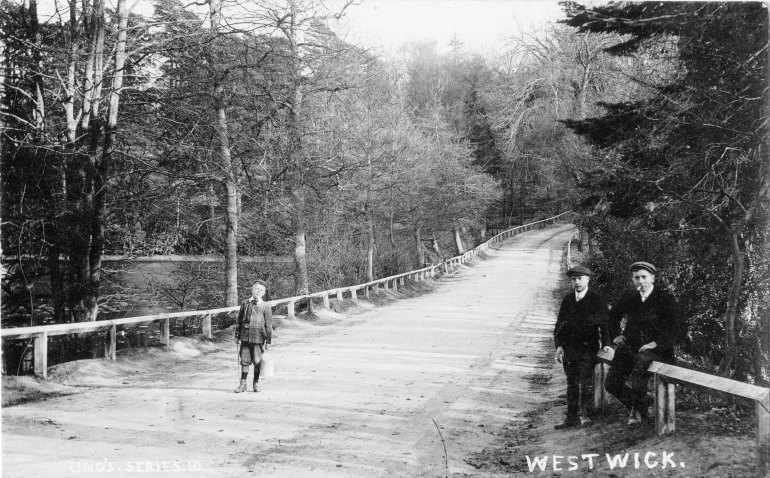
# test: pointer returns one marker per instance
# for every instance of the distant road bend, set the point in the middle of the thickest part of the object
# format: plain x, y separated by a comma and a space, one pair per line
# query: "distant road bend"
361, 397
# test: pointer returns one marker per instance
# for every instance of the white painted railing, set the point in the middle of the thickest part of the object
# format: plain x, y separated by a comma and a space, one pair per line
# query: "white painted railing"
41, 333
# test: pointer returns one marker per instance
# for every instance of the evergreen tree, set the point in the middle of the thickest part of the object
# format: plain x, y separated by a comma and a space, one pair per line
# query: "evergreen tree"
692, 154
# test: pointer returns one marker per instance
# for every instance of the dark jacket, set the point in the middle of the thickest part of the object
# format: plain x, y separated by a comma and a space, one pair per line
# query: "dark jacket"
255, 323
582, 324
658, 319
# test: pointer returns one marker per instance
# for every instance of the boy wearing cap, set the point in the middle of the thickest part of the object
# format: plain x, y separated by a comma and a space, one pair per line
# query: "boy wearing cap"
253, 333
653, 321
580, 326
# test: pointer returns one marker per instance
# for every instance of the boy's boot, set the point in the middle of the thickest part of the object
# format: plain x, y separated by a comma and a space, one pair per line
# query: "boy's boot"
256, 387
241, 387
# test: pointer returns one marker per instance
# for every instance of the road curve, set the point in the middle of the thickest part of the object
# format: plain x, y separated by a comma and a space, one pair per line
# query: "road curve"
377, 395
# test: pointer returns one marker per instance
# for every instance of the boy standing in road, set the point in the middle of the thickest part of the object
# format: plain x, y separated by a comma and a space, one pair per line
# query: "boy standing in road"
254, 331
580, 326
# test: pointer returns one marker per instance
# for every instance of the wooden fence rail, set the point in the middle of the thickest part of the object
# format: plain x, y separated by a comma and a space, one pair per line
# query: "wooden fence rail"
40, 334
667, 376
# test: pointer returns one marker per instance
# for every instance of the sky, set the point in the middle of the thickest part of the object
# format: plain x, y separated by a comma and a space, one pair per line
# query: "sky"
385, 25
481, 25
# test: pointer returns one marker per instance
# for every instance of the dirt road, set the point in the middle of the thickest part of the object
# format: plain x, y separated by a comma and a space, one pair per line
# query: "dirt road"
378, 394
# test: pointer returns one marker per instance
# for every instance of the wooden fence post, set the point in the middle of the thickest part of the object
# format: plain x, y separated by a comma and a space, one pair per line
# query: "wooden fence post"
353, 294
290, 310
143, 335
40, 350
326, 301
165, 331
339, 295
664, 406
110, 343
395, 285
763, 435
366, 291
310, 305
207, 327
377, 289
385, 285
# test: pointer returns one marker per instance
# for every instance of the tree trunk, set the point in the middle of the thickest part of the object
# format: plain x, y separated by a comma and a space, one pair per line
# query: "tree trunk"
94, 66
69, 100
370, 243
301, 286
102, 165
420, 249
435, 245
38, 113
733, 296
5, 69
582, 92
392, 215
583, 244
369, 215
522, 192
231, 251
229, 178
57, 283
80, 293
458, 241
513, 200
295, 154
464, 237
301, 282
505, 204
212, 214
231, 213
59, 188
585, 62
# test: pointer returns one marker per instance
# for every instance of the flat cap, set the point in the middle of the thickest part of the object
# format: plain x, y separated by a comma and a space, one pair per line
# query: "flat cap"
579, 271
643, 265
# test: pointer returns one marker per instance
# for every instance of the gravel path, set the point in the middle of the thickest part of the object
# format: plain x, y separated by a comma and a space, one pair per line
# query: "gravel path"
364, 396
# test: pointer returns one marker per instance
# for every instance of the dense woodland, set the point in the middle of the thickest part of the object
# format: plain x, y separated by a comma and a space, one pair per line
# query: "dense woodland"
232, 129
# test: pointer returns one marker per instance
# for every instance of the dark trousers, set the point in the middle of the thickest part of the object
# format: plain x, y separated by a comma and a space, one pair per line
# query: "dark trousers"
579, 366
628, 377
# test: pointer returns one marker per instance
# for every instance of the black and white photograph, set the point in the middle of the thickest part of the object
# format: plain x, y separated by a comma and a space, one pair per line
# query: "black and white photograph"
385, 238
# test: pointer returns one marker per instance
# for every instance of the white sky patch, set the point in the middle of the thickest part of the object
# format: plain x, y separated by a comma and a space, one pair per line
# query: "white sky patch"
386, 25
481, 25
